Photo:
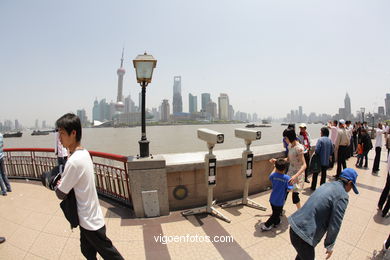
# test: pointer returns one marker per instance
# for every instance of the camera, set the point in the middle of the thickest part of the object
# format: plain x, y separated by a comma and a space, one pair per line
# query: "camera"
50, 179
248, 135
210, 136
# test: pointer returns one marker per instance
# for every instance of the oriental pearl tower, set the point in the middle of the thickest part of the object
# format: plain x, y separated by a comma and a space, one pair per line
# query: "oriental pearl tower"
119, 100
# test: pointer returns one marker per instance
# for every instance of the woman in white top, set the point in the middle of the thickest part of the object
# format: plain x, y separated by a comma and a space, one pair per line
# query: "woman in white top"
297, 166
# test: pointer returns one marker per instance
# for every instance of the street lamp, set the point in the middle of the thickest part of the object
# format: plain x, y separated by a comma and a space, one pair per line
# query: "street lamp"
362, 109
144, 65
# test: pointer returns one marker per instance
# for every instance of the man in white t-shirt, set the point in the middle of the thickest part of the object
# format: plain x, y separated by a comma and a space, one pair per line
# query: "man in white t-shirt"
79, 176
378, 148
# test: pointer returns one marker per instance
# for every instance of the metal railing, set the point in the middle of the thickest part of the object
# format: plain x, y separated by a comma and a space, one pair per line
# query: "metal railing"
111, 176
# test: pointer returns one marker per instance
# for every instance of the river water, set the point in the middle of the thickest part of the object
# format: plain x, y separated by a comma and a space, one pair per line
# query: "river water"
163, 139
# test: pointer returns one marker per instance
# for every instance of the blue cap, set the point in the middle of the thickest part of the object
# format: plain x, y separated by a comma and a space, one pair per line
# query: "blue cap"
351, 175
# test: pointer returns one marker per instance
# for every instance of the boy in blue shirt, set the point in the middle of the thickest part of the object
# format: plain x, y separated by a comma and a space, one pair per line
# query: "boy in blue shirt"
280, 187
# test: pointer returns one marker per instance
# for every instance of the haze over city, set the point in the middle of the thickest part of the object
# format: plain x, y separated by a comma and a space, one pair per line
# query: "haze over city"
269, 57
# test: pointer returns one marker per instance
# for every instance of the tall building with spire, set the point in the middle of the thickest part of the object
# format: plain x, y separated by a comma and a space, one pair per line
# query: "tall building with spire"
119, 105
177, 102
387, 104
347, 106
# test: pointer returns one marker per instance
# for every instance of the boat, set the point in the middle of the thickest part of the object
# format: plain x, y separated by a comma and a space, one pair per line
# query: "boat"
17, 134
38, 132
261, 125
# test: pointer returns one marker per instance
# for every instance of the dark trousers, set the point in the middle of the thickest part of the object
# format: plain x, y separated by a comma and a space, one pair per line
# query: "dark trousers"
307, 160
275, 217
4, 183
92, 242
355, 143
341, 155
385, 196
315, 175
304, 250
377, 159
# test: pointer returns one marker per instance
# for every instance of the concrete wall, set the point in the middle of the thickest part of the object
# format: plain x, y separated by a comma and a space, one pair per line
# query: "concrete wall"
188, 170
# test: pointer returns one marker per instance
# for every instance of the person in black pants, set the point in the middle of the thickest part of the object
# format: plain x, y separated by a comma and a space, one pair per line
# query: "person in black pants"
367, 146
385, 196
324, 148
378, 147
342, 142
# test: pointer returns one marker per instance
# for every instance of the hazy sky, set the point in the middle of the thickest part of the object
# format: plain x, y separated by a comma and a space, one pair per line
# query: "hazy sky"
268, 56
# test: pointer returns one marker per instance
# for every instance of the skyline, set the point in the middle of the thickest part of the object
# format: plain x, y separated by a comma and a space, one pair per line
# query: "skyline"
268, 57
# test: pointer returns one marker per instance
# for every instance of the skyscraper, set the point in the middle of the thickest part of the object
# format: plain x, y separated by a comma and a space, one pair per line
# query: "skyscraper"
211, 108
119, 100
300, 116
347, 106
83, 116
129, 105
177, 102
387, 104
165, 110
192, 103
96, 111
223, 106
381, 110
205, 100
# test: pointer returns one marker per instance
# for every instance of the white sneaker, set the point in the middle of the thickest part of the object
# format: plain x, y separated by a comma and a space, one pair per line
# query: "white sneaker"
264, 227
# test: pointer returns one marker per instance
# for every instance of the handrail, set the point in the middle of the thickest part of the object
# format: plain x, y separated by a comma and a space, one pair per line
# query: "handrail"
112, 179
111, 156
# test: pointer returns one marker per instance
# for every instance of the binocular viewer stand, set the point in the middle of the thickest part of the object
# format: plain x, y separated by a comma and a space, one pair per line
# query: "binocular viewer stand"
246, 169
210, 176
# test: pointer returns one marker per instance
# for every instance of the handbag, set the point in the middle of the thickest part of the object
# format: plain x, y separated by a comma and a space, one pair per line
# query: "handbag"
315, 164
69, 208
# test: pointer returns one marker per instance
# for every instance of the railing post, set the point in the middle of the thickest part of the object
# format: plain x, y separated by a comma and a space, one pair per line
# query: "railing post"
127, 183
33, 163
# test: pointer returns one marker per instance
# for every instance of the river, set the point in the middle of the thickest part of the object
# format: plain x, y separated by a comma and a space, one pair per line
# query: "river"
163, 139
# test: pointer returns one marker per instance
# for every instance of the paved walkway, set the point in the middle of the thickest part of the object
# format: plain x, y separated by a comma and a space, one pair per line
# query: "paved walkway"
32, 222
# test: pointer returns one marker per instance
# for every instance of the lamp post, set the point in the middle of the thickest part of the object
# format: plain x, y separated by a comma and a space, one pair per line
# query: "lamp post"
144, 65
362, 109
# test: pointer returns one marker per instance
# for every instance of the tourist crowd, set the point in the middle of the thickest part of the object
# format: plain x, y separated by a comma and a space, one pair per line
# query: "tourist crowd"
324, 210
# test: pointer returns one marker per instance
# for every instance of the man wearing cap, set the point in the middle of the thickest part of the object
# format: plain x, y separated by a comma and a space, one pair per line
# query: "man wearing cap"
341, 144
322, 213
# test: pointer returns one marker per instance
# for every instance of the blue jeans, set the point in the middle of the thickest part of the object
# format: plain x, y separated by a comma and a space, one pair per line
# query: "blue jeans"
4, 183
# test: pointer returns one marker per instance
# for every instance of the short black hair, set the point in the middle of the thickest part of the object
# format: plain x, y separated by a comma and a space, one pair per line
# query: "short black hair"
335, 122
325, 131
70, 122
281, 164
291, 135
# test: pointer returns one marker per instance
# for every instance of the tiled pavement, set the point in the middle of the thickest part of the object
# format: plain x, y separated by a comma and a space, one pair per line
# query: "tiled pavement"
32, 222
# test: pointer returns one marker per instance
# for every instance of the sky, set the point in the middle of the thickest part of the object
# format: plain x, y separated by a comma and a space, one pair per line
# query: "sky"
268, 56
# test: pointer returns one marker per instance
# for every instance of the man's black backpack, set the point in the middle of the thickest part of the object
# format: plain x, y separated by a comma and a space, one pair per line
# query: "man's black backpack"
69, 207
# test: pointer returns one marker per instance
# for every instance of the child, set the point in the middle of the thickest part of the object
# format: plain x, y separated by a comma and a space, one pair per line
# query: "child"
280, 187
359, 152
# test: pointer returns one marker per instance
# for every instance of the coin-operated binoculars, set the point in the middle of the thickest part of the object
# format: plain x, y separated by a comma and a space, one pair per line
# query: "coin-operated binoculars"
246, 168
211, 138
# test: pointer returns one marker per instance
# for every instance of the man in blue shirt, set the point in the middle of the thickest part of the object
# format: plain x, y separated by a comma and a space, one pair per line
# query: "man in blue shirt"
4, 183
322, 213
280, 186
324, 148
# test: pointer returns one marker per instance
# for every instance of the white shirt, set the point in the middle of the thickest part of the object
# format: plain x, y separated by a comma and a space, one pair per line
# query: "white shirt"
333, 134
379, 137
79, 175
58, 148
